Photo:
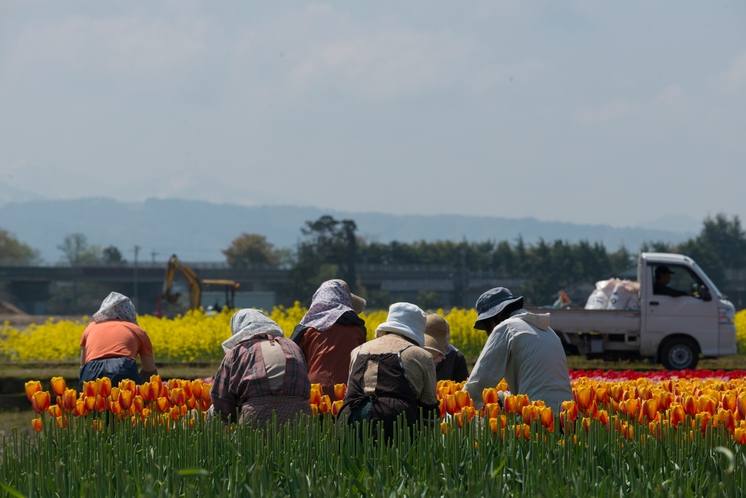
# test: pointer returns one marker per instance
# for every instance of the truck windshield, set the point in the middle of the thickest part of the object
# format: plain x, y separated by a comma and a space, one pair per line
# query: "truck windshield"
710, 285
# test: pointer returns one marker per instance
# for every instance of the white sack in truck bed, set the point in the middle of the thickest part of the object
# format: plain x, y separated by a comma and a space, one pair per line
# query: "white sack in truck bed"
614, 294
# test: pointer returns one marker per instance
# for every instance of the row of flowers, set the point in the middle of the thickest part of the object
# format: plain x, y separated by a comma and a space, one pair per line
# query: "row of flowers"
153, 400
697, 403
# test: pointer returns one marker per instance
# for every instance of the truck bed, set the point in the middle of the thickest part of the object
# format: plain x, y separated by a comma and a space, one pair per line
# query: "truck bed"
571, 321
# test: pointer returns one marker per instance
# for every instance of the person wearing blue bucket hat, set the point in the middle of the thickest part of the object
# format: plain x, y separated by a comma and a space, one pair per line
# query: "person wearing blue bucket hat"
522, 348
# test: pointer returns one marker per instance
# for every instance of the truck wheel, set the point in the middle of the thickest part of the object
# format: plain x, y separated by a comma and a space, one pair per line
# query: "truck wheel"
679, 354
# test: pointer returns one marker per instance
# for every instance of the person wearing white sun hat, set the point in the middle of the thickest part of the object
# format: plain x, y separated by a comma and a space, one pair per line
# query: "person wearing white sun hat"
392, 374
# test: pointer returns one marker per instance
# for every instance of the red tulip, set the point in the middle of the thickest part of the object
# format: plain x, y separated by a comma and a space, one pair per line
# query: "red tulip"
125, 399
36, 424
89, 389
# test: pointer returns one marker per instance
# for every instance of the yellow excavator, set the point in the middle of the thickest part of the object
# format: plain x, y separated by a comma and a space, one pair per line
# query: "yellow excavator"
195, 285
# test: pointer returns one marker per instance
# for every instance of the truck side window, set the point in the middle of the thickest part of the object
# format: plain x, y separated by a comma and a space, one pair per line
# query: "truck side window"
675, 281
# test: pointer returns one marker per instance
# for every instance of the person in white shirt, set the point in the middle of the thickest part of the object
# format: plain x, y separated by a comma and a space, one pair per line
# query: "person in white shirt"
522, 348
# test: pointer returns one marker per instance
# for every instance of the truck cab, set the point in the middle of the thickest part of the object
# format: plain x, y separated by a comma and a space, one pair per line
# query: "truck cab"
684, 316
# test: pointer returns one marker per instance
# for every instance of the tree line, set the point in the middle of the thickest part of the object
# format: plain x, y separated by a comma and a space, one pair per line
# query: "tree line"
331, 248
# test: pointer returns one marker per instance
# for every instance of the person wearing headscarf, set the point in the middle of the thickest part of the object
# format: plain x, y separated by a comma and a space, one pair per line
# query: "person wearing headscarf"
111, 343
450, 364
328, 333
262, 375
392, 374
522, 348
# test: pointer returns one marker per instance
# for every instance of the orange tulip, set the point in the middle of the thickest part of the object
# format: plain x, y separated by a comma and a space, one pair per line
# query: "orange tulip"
650, 408
157, 384
451, 404
654, 428
325, 406
186, 386
502, 385
115, 407
175, 413
192, 403
602, 395
462, 399
628, 431
631, 406
677, 414
125, 399
138, 403
489, 395
340, 390
90, 403
510, 404
89, 389
571, 410
145, 413
80, 409
468, 412
444, 427
103, 386
114, 395
336, 406
690, 406
315, 396
147, 391
32, 387
603, 417
523, 429
173, 383
97, 425
729, 401
40, 401
206, 394
55, 411
546, 417
314, 410
318, 388
584, 397
492, 410
707, 404
586, 423
741, 405
177, 396
529, 413
739, 435
500, 422
58, 385
127, 385
62, 422
36, 424
459, 418
69, 399
197, 387
162, 404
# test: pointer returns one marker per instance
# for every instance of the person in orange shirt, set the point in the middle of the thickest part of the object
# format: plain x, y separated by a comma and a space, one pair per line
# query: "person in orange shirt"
111, 343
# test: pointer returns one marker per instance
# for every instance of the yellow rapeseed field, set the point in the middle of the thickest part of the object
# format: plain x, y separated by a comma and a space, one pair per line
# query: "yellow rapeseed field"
741, 331
195, 336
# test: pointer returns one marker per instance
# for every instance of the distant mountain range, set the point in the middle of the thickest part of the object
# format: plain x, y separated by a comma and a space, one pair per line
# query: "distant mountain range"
197, 231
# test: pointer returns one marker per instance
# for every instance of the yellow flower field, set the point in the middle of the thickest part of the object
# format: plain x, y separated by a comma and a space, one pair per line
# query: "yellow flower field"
195, 336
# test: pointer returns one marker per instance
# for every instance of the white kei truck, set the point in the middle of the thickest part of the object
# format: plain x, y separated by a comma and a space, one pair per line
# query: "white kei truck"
671, 330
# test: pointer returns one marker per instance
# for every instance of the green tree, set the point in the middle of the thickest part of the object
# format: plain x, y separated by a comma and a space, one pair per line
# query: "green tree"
15, 252
328, 250
112, 255
78, 252
251, 249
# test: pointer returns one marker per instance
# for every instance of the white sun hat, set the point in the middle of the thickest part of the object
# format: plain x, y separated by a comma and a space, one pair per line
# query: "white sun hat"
404, 319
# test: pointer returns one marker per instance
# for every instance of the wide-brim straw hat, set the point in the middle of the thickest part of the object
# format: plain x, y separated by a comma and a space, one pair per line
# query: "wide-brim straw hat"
436, 333
406, 320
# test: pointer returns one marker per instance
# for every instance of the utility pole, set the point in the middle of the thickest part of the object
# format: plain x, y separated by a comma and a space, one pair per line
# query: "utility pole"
154, 254
137, 250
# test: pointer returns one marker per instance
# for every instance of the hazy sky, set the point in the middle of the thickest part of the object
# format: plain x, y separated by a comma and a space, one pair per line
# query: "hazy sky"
590, 112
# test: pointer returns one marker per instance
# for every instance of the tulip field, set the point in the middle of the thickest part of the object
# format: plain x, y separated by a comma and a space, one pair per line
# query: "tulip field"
624, 434
628, 433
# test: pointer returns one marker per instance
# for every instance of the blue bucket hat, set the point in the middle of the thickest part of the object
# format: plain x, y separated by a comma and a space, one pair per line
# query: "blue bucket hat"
492, 302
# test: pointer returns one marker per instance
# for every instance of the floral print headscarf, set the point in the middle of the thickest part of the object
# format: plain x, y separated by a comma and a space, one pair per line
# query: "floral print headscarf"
116, 306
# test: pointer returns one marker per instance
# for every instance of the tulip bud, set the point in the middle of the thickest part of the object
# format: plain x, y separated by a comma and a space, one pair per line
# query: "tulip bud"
40, 401
36, 424
32, 387
58, 385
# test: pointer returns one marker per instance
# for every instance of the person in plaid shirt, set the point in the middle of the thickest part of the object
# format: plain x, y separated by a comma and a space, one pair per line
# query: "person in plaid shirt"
263, 374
